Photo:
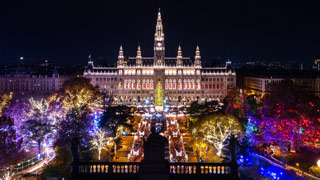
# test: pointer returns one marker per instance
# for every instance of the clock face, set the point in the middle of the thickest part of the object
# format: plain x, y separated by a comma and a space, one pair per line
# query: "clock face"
159, 44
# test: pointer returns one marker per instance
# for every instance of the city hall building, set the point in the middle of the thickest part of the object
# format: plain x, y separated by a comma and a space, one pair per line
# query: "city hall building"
133, 81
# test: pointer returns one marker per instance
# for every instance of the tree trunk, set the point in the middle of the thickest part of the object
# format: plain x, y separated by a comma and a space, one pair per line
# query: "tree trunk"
75, 150
39, 147
109, 155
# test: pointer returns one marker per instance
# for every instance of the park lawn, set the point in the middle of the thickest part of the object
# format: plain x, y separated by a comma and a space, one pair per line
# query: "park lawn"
305, 160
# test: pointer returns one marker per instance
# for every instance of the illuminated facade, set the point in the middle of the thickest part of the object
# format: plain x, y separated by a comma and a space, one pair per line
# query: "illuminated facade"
36, 84
184, 80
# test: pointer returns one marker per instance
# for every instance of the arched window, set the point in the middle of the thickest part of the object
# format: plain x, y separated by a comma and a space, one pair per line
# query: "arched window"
144, 84
192, 84
198, 83
138, 84
125, 84
151, 84
166, 84
133, 84
180, 84
129, 84
174, 84
170, 84
188, 84
148, 85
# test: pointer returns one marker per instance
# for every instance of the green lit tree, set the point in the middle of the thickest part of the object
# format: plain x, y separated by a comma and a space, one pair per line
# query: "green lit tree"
159, 95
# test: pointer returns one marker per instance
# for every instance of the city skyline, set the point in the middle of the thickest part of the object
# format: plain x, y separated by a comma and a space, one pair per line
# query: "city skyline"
162, 90
68, 33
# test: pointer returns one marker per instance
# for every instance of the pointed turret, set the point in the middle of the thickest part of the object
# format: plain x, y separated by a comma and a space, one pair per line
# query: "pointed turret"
179, 57
229, 66
139, 57
90, 64
197, 58
55, 72
120, 57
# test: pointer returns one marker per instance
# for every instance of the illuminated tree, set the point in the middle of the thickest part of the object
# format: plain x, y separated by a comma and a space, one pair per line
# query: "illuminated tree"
4, 99
36, 131
75, 127
196, 111
216, 129
290, 115
99, 142
244, 105
315, 170
237, 102
8, 176
78, 98
10, 143
17, 111
159, 95
79, 92
115, 118
38, 109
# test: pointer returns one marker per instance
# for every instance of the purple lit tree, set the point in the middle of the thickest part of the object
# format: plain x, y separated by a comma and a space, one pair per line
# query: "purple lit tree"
290, 115
38, 131
10, 144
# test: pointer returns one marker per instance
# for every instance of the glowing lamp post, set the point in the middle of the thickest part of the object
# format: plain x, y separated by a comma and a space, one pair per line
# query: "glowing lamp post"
318, 163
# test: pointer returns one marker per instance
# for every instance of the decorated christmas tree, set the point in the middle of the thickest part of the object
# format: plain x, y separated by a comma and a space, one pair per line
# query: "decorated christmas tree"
159, 95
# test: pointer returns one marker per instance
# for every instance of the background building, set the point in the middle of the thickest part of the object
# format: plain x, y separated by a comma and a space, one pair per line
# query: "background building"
25, 78
259, 83
184, 80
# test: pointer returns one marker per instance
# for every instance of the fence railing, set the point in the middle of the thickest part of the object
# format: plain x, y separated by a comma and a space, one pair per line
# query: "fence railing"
108, 168
200, 168
24, 165
133, 168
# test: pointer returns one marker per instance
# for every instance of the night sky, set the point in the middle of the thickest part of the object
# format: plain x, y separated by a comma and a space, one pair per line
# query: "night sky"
67, 31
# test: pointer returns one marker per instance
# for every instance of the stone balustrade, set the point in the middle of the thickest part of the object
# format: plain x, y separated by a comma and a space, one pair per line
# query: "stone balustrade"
133, 168
200, 168
108, 168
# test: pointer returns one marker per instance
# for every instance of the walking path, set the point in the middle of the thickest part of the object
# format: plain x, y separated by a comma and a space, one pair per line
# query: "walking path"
279, 164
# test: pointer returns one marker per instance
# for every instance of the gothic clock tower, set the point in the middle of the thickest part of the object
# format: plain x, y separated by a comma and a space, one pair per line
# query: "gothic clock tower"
159, 49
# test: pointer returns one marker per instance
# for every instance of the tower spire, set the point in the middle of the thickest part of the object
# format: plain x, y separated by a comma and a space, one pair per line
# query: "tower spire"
197, 58
159, 28
179, 57
179, 51
120, 57
139, 57
159, 48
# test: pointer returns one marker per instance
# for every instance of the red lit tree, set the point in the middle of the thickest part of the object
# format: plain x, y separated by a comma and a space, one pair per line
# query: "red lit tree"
243, 104
237, 102
290, 115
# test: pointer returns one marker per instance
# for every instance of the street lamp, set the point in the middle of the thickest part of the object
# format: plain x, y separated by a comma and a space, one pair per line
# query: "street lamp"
318, 163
